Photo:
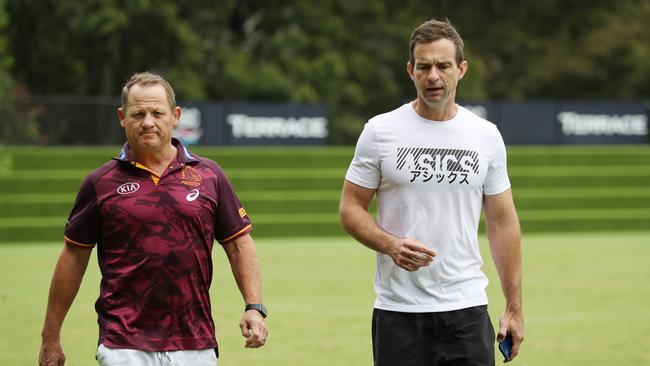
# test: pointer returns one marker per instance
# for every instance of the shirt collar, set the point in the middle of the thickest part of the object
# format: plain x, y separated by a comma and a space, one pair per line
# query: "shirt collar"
183, 155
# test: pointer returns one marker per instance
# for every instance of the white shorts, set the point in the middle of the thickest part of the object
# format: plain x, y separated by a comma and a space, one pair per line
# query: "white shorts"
133, 357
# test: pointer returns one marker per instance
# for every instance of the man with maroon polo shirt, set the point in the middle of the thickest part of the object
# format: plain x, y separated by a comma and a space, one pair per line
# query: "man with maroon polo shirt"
153, 213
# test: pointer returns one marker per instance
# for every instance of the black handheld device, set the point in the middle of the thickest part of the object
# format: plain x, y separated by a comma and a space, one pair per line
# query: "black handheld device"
505, 346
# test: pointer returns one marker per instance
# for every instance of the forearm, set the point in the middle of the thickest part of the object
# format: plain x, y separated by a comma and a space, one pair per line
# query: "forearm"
409, 254
357, 221
245, 268
505, 245
66, 280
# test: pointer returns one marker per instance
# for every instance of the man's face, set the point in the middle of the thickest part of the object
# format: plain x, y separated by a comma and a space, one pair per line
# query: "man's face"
435, 72
148, 119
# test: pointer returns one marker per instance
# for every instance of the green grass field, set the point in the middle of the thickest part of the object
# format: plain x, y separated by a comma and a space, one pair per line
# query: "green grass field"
585, 299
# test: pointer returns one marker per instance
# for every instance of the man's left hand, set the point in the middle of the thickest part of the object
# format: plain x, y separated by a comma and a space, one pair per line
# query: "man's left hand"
512, 322
254, 329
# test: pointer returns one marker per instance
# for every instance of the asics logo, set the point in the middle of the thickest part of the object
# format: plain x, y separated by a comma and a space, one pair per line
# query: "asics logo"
128, 188
437, 160
192, 195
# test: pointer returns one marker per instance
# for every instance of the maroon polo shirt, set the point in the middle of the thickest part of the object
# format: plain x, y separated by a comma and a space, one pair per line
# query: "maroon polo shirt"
154, 240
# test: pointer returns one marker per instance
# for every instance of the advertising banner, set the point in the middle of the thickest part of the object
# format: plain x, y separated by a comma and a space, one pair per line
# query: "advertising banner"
550, 123
602, 123
252, 124
275, 124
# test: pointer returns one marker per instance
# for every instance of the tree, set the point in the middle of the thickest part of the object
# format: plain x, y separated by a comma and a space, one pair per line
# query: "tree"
607, 62
350, 55
12, 129
91, 47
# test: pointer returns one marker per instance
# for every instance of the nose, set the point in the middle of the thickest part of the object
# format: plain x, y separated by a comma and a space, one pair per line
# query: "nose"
433, 75
148, 121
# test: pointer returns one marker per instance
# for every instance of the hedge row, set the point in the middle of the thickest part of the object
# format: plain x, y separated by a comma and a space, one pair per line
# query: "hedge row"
295, 191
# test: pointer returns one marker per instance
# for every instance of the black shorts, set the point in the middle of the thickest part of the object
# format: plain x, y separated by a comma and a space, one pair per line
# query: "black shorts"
462, 337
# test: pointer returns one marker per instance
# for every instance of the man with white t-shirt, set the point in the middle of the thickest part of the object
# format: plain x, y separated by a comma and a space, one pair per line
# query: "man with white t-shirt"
434, 166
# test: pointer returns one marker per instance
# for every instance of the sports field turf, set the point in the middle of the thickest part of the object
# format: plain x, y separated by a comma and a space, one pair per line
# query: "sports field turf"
586, 302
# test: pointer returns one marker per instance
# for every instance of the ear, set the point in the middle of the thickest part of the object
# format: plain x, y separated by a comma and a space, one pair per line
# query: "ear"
409, 69
463, 68
177, 115
120, 116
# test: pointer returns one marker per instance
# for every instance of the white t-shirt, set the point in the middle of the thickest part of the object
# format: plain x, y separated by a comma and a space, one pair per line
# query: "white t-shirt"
430, 178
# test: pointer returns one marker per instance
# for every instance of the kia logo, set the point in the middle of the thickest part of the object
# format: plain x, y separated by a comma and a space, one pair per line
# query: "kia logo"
128, 188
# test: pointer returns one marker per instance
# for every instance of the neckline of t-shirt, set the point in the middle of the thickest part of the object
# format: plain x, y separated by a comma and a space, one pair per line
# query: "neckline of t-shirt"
431, 122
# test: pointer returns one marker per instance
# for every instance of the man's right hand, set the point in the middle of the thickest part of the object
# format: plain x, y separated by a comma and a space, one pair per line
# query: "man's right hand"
411, 254
51, 354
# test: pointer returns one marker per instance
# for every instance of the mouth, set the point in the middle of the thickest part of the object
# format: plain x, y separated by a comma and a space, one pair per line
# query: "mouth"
433, 89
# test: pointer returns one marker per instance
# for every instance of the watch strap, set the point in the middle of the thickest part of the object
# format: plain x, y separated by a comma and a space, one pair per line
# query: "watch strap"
259, 307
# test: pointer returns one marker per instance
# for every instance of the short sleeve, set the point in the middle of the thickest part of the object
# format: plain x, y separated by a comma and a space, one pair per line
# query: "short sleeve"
82, 228
497, 180
231, 220
364, 168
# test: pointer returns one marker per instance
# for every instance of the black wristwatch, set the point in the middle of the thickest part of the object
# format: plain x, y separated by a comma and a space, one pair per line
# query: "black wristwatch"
259, 307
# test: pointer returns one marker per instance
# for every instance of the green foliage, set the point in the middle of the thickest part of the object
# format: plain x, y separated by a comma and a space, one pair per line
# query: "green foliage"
473, 86
350, 55
13, 129
6, 82
91, 47
605, 59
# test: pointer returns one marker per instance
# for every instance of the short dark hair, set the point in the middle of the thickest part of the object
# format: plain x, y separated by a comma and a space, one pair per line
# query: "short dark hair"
433, 30
148, 78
